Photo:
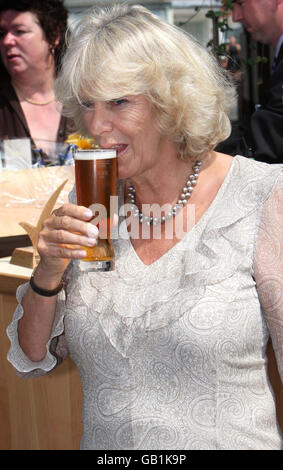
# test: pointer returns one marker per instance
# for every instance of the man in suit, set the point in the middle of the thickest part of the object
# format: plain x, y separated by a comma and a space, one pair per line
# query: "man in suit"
263, 19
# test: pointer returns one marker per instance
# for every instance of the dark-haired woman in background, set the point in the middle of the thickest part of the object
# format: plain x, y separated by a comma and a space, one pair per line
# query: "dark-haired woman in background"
32, 41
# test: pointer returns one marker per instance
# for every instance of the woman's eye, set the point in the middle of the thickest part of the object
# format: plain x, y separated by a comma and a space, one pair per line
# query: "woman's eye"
119, 101
16, 32
87, 104
19, 32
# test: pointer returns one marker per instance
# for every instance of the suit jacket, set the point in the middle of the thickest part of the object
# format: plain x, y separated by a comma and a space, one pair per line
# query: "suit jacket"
13, 123
266, 125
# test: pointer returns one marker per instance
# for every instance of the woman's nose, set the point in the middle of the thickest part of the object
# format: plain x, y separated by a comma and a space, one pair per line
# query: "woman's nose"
7, 38
237, 15
99, 121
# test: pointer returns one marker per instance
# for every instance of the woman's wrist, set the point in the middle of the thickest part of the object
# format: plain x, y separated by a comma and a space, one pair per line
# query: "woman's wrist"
45, 279
45, 292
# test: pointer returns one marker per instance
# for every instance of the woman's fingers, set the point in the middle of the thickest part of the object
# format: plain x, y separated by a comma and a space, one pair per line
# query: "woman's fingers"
62, 236
70, 219
66, 224
66, 232
67, 215
61, 251
77, 212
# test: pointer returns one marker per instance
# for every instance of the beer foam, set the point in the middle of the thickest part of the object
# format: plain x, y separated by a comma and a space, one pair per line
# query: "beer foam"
95, 154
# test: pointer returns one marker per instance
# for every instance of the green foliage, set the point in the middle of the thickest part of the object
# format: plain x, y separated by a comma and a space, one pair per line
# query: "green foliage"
257, 60
221, 19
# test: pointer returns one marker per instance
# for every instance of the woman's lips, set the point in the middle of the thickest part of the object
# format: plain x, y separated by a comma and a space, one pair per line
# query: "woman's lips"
12, 57
120, 148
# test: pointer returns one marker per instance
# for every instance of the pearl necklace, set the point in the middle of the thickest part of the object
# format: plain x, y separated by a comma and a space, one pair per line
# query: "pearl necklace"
182, 201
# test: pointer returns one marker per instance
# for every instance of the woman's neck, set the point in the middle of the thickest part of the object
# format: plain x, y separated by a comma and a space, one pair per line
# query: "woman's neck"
37, 86
35, 82
163, 185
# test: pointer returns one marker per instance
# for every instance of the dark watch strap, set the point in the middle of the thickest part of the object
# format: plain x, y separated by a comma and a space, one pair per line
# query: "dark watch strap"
44, 292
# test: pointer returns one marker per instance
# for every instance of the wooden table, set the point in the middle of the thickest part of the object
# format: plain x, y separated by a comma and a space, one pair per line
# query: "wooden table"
43, 413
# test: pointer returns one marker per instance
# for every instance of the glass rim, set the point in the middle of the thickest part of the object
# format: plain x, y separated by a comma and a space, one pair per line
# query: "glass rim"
94, 154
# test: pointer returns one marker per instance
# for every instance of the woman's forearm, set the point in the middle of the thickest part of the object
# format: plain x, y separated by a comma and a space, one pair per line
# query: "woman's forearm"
62, 238
34, 328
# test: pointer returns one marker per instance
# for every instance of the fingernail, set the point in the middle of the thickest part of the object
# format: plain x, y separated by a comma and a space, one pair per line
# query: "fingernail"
88, 213
91, 241
92, 230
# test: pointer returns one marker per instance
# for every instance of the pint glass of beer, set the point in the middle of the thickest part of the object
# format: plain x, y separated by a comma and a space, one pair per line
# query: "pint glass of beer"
96, 173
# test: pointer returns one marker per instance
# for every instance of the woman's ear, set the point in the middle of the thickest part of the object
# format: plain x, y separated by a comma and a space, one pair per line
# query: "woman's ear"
54, 44
57, 40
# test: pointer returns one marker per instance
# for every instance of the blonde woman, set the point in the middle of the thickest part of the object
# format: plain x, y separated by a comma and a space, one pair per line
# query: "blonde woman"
171, 344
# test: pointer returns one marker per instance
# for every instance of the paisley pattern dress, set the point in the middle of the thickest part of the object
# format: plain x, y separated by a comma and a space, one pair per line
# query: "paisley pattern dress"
172, 355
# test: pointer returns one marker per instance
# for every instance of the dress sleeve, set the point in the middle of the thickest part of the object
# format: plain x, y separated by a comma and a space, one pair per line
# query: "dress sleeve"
268, 267
56, 348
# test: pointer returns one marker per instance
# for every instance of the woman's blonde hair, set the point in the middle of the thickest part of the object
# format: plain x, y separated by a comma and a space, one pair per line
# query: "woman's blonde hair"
119, 50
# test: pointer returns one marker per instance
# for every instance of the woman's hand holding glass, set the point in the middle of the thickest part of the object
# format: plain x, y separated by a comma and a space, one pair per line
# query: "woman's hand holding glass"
63, 235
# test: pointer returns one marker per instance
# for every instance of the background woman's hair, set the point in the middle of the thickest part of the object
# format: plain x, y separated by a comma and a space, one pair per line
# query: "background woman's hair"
119, 50
52, 17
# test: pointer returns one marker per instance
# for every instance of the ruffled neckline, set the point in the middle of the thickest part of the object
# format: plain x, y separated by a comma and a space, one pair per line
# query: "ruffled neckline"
233, 171
196, 226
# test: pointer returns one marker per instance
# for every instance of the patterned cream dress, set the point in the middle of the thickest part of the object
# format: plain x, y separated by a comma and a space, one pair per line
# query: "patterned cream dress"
172, 355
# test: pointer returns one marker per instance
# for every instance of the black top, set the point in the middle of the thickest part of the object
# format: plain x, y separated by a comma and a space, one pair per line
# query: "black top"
13, 123
265, 132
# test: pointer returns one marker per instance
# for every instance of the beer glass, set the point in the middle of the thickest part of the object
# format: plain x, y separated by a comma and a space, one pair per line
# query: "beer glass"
96, 173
